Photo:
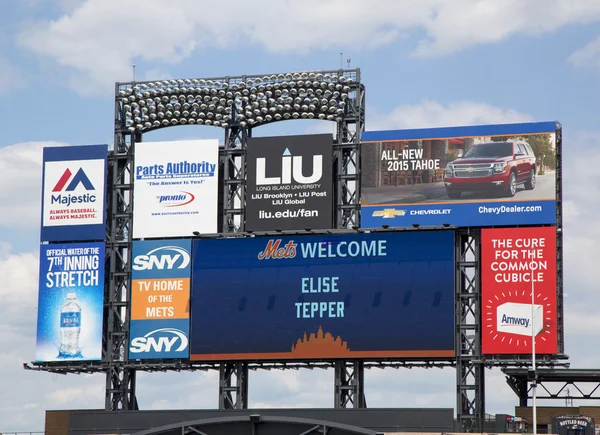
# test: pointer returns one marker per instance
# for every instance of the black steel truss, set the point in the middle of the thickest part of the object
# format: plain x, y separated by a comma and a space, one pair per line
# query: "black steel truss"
558, 384
470, 378
233, 385
349, 386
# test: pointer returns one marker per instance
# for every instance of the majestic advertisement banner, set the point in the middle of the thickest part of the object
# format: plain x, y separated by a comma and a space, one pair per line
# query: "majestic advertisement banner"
486, 175
176, 188
289, 184
160, 298
70, 302
379, 295
73, 190
510, 259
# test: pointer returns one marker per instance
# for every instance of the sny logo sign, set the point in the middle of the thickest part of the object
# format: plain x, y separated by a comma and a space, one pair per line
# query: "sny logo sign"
170, 256
160, 340
291, 168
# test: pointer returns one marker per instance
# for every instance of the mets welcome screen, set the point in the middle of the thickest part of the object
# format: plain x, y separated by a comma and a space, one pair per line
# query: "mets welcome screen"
324, 296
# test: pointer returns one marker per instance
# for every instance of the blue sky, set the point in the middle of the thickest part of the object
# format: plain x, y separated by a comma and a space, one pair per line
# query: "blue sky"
424, 64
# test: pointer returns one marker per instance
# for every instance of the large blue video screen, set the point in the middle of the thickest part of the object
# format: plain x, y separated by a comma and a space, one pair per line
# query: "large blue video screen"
369, 296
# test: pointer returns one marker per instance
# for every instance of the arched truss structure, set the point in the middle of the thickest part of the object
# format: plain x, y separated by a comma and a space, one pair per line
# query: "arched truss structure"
257, 424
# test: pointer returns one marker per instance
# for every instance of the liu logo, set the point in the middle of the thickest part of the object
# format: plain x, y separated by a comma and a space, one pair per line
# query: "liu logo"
291, 169
79, 178
275, 251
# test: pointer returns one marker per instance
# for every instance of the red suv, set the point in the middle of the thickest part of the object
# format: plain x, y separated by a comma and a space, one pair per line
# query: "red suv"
491, 166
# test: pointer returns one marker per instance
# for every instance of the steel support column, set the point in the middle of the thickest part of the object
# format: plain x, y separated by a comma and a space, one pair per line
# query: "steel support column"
470, 386
349, 384
120, 381
233, 386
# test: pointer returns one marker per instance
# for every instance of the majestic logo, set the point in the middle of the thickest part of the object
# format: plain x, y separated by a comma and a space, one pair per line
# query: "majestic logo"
291, 169
275, 251
178, 200
164, 257
79, 178
68, 199
160, 340
388, 213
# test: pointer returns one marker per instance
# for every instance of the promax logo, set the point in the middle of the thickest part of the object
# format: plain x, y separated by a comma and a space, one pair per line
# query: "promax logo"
291, 169
74, 182
160, 340
164, 257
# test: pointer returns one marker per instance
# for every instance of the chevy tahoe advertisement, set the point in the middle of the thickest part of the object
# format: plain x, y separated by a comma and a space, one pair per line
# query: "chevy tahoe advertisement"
484, 175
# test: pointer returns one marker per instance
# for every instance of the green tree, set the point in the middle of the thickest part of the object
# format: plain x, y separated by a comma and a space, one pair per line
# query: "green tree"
542, 146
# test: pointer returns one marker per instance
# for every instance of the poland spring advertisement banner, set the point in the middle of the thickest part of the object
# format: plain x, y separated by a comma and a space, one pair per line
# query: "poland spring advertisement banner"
289, 183
74, 180
175, 188
70, 302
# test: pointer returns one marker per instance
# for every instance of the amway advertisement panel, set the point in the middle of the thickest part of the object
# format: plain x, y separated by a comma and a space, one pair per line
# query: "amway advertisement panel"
70, 302
73, 186
311, 297
160, 297
176, 188
486, 175
511, 258
289, 185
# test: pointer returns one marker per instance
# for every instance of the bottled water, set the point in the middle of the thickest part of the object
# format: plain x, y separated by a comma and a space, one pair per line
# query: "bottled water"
70, 327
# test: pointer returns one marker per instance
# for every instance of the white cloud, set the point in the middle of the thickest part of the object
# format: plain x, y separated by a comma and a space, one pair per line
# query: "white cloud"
99, 40
588, 55
11, 77
430, 113
21, 165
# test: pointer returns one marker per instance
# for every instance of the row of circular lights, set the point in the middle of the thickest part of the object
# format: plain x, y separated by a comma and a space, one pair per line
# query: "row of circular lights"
255, 101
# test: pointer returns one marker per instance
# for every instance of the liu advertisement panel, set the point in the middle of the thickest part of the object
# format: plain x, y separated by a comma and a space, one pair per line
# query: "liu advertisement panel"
70, 302
160, 297
511, 258
289, 184
327, 296
487, 175
176, 188
73, 189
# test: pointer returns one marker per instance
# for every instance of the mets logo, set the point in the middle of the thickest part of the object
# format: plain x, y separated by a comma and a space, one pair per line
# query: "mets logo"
67, 177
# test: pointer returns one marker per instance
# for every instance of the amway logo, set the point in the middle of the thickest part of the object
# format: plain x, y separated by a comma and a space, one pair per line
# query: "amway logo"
274, 250
160, 340
164, 257
515, 318
183, 198
69, 199
291, 168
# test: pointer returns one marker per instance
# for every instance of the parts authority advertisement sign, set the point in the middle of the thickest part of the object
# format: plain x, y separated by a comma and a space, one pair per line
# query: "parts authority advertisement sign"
70, 302
380, 295
481, 176
511, 258
175, 188
73, 191
289, 184
160, 297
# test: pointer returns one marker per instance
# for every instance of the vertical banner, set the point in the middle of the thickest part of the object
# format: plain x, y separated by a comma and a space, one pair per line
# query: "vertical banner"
73, 190
511, 258
70, 302
176, 188
289, 184
160, 298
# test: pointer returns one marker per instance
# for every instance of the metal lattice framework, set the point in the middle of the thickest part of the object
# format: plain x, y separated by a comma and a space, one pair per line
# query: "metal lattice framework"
239, 105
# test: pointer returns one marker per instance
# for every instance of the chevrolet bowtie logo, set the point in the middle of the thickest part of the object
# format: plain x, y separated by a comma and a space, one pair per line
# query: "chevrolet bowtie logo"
387, 213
